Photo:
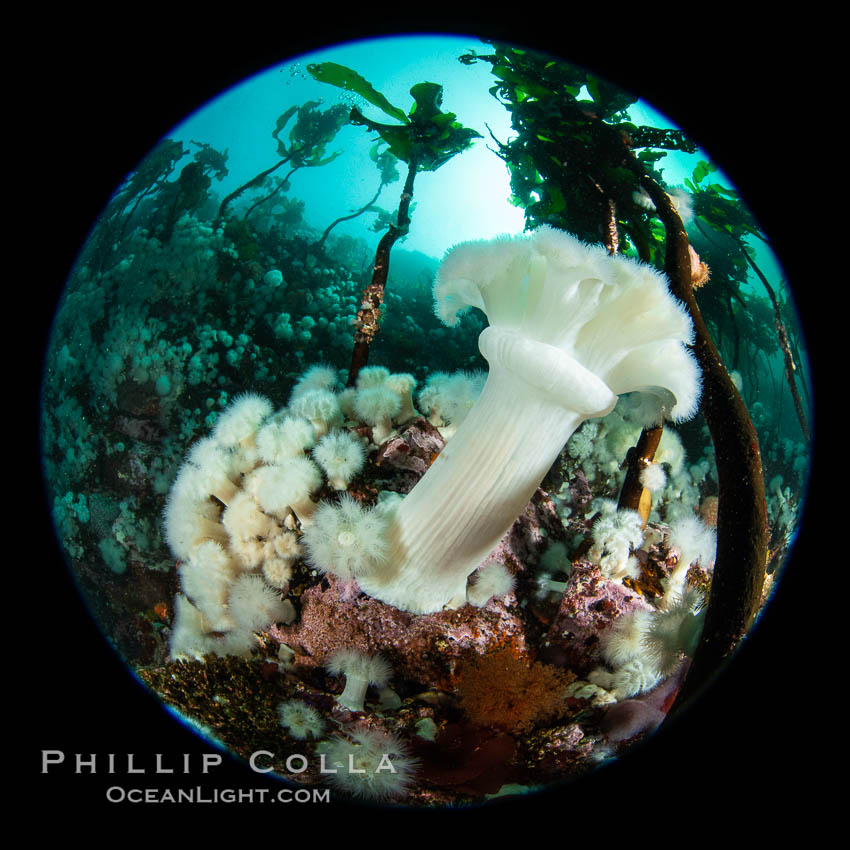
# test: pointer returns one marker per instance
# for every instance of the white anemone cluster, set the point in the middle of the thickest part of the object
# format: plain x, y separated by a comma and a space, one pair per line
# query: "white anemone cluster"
617, 534
234, 514
448, 398
382, 399
645, 646
239, 514
234, 548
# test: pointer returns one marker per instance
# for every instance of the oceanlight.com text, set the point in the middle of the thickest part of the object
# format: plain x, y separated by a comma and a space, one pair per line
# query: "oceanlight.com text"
118, 794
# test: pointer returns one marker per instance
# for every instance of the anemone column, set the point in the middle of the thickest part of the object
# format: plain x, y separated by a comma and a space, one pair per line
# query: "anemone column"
472, 493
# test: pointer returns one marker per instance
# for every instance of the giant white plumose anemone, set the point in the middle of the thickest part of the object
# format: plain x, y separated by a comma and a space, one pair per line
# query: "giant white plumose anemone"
570, 328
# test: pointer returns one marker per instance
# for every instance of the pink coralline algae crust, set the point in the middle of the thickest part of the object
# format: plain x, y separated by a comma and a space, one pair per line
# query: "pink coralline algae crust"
590, 605
425, 649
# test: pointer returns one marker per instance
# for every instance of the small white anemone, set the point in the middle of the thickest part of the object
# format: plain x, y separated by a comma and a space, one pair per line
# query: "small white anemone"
489, 580
206, 578
555, 558
372, 376
645, 409
447, 399
245, 523
403, 384
346, 403
277, 571
676, 631
371, 766
255, 606
321, 407
286, 486
218, 467
189, 631
696, 543
238, 423
653, 477
190, 516
671, 451
360, 671
376, 406
346, 539
279, 554
318, 377
626, 639
244, 520
616, 533
302, 721
636, 676
581, 445
429, 397
279, 440
341, 455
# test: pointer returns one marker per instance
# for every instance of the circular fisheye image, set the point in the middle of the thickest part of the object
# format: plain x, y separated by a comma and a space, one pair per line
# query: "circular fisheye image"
426, 420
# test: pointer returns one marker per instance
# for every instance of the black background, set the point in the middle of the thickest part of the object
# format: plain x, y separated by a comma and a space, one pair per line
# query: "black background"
96, 94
